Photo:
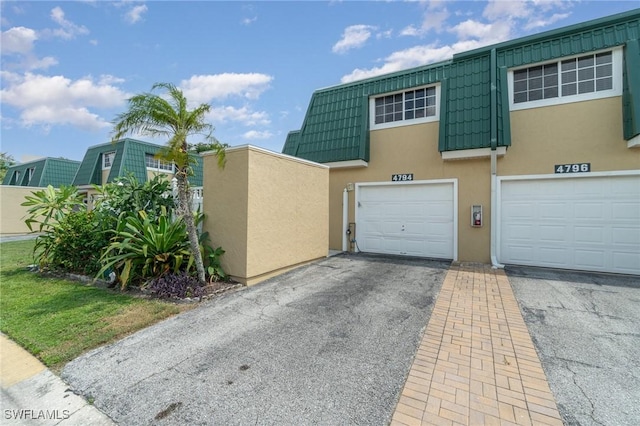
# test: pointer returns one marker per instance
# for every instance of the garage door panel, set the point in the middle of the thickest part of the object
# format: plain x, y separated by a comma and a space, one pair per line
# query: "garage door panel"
625, 235
626, 262
589, 235
552, 211
555, 256
410, 219
589, 223
590, 258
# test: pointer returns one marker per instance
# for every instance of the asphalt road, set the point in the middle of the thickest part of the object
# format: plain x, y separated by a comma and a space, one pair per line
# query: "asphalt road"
329, 343
586, 329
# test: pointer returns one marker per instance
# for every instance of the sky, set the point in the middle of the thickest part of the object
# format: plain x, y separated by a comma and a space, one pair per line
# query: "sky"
68, 68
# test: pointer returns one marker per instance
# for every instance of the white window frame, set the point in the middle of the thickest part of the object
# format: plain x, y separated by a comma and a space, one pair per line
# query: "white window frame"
616, 90
111, 155
16, 177
158, 164
30, 172
403, 122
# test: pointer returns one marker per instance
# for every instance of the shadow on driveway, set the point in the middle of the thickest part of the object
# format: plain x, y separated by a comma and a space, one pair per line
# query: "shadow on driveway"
328, 343
586, 329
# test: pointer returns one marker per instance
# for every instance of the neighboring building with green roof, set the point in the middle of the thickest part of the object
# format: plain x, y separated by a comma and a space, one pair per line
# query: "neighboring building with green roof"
105, 162
42, 172
524, 152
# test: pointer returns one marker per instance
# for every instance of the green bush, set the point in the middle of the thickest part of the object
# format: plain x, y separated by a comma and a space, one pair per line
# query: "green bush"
127, 195
144, 248
74, 244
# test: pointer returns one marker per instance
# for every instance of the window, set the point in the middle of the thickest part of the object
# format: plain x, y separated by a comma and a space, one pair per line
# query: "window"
591, 76
107, 159
30, 174
407, 107
16, 177
156, 164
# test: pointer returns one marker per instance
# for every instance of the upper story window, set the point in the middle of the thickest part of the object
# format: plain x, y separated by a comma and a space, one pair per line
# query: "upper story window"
107, 159
157, 164
584, 77
30, 172
16, 177
403, 108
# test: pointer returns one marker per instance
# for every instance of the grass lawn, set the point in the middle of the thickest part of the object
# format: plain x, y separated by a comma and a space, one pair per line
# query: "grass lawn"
57, 319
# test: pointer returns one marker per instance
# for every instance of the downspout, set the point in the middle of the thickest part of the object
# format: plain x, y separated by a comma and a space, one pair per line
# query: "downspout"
345, 220
494, 159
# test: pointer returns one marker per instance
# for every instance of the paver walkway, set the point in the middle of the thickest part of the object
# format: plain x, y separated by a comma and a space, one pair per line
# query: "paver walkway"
476, 364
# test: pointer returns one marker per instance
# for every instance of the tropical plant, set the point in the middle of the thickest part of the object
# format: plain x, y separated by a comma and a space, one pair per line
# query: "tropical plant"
169, 117
214, 267
48, 206
178, 285
6, 161
74, 244
127, 194
144, 248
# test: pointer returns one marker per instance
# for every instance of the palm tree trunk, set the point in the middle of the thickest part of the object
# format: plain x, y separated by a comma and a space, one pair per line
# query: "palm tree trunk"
186, 211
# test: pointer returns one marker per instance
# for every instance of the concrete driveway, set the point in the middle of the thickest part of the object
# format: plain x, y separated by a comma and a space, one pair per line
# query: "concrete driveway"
329, 343
586, 329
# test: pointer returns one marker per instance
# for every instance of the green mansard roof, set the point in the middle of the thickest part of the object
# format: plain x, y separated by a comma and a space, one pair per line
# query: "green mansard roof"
336, 125
46, 171
129, 158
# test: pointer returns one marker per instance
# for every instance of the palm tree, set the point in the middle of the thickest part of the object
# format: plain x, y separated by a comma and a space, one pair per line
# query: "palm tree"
168, 116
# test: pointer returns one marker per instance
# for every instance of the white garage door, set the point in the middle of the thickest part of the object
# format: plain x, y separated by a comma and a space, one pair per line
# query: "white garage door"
587, 223
415, 219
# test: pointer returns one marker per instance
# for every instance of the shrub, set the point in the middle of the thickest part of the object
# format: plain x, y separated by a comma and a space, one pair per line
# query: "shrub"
49, 206
126, 195
74, 244
178, 285
144, 248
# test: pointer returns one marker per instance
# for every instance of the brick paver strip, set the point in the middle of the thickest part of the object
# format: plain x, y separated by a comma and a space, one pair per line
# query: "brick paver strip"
476, 363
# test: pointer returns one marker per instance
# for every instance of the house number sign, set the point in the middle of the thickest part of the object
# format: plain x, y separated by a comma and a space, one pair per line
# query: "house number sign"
573, 168
402, 177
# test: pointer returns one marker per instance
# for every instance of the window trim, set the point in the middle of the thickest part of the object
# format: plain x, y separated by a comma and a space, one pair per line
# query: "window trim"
403, 122
616, 90
105, 155
158, 169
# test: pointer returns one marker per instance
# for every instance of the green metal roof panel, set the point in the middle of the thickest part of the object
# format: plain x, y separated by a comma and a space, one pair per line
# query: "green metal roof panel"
198, 168
336, 126
631, 91
58, 172
46, 171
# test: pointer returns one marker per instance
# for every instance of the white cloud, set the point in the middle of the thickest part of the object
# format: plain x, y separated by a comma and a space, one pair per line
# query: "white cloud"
433, 19
501, 20
18, 40
135, 14
242, 115
412, 57
353, 37
205, 88
249, 21
255, 134
544, 22
51, 100
68, 29
486, 33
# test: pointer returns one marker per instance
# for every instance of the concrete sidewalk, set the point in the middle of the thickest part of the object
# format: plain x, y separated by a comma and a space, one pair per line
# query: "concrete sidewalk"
476, 364
33, 395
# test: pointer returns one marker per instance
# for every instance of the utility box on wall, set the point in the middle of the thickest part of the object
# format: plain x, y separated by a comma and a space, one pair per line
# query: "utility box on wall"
476, 216
268, 211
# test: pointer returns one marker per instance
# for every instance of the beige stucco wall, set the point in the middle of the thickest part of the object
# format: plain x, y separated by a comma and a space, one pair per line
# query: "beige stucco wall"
269, 212
579, 132
12, 214
414, 149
